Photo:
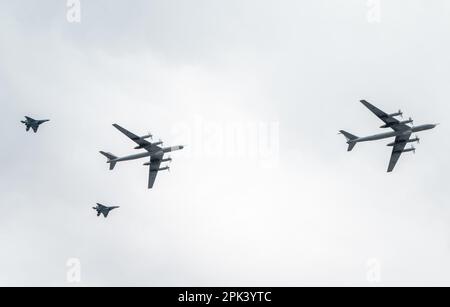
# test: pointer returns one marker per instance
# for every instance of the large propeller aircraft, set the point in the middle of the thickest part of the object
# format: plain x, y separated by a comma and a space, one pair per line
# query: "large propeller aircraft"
152, 150
401, 131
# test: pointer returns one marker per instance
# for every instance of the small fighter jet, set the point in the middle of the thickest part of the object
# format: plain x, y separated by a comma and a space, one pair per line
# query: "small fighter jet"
33, 123
103, 210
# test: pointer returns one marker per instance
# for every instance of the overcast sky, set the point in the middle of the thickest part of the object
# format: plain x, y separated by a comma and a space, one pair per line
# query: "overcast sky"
265, 193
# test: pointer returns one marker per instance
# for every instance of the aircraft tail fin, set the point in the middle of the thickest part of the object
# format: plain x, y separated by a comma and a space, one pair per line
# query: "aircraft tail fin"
110, 157
350, 139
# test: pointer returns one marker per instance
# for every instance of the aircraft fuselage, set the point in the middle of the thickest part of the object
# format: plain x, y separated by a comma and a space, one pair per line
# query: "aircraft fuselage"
146, 154
390, 134
33, 124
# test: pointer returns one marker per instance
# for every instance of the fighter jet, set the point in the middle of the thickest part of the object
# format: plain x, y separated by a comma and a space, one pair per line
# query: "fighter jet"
33, 123
103, 210
152, 150
401, 131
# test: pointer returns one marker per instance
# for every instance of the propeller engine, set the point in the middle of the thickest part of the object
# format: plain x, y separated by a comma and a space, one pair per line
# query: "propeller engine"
143, 138
160, 142
413, 149
160, 169
143, 146
409, 121
169, 159
399, 113
416, 139
166, 168
148, 136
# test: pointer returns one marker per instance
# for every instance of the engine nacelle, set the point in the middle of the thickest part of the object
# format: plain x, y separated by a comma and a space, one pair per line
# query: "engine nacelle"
409, 121
403, 142
148, 136
146, 145
406, 150
159, 169
399, 113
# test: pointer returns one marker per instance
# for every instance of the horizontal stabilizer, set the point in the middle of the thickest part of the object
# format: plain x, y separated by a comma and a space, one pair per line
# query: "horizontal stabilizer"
348, 136
350, 139
112, 165
350, 146
110, 157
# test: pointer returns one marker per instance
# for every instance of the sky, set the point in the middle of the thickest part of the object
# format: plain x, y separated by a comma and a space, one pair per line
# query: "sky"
264, 193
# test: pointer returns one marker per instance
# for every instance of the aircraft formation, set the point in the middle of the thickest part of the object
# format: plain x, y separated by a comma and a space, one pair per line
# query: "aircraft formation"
155, 151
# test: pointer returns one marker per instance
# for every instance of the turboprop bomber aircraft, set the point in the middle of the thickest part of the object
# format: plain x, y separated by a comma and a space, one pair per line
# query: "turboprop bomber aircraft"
152, 150
401, 131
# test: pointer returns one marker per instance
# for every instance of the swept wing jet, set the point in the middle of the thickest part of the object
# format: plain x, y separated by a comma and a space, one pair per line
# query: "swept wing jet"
103, 209
33, 123
153, 151
401, 132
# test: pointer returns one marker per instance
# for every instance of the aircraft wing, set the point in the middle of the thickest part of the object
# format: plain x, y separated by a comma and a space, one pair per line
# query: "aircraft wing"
35, 128
138, 140
397, 150
105, 213
394, 123
155, 163
29, 119
101, 206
